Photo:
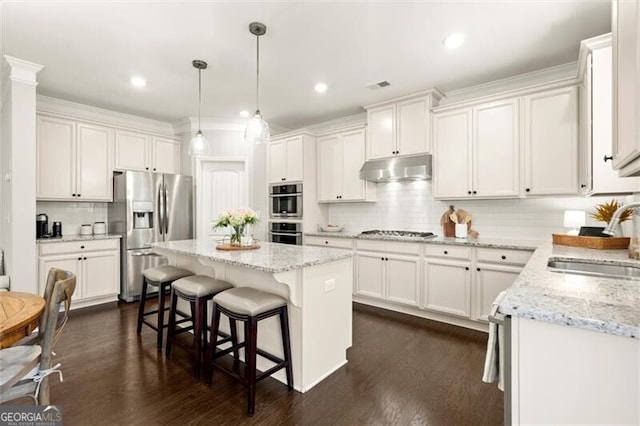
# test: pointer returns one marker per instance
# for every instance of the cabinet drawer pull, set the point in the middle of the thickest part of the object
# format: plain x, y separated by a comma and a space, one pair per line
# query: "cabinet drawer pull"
84, 258
607, 157
478, 269
326, 242
503, 257
528, 189
81, 247
79, 258
466, 268
446, 252
382, 258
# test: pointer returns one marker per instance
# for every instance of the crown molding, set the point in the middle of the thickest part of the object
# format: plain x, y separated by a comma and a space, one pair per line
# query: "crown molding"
434, 92
589, 45
515, 83
76, 111
189, 125
21, 71
339, 124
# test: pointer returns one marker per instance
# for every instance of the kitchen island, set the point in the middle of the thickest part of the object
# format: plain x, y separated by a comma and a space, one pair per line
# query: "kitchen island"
316, 281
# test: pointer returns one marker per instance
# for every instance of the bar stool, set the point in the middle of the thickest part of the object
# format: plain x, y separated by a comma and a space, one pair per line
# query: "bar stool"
197, 290
249, 306
159, 276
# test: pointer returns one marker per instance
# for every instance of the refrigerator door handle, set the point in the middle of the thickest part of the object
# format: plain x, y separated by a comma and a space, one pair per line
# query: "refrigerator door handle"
166, 210
161, 210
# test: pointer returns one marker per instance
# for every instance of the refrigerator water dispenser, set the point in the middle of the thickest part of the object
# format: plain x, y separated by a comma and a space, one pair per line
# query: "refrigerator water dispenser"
142, 214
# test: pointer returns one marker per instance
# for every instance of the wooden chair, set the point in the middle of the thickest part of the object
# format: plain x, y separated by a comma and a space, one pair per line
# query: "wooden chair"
25, 368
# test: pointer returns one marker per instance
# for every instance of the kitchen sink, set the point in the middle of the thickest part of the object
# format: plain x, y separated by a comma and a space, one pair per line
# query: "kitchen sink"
605, 270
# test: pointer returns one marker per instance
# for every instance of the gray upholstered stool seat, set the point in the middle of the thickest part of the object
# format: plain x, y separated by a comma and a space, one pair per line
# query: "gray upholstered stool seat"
200, 285
161, 277
164, 273
248, 301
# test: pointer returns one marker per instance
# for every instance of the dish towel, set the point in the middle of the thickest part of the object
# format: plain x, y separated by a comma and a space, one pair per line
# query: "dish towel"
494, 361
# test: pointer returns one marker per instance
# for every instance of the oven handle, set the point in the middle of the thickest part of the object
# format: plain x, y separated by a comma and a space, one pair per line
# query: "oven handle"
295, 194
285, 234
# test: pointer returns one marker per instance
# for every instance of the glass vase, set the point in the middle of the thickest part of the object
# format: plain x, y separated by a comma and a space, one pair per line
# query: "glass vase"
236, 235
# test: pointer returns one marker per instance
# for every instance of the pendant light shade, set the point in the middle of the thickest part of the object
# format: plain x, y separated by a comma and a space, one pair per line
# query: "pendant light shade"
199, 146
257, 130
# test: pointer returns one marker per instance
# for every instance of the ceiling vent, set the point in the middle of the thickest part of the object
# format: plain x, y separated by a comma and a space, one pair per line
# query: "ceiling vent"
379, 85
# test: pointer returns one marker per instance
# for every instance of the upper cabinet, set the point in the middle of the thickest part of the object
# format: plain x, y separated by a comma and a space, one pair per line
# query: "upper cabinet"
73, 160
551, 142
597, 175
469, 143
285, 160
340, 157
626, 87
401, 126
139, 151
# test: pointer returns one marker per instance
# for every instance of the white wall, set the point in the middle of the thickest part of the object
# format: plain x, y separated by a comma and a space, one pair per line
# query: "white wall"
71, 214
410, 206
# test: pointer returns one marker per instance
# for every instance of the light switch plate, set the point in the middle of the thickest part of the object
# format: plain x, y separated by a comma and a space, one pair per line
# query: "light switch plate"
329, 285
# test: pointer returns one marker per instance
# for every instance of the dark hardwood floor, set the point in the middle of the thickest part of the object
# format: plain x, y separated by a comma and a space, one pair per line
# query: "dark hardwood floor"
402, 370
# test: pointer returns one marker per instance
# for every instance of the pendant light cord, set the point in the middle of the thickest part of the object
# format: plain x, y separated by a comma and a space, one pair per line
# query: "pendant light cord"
199, 95
258, 73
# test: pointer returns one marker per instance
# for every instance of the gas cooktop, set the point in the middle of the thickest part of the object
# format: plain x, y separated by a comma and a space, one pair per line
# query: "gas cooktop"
399, 233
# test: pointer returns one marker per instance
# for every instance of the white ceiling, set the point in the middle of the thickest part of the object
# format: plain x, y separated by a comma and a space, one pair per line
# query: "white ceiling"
90, 50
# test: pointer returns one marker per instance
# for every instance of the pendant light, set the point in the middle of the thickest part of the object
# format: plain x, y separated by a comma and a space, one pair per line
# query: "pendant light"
199, 145
257, 130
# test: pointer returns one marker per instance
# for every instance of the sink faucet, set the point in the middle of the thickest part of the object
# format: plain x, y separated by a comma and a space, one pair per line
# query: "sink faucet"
615, 219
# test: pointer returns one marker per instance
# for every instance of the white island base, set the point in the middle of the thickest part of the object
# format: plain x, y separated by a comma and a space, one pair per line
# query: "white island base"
320, 312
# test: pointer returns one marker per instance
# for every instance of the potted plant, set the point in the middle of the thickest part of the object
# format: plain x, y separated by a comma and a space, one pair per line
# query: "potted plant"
604, 212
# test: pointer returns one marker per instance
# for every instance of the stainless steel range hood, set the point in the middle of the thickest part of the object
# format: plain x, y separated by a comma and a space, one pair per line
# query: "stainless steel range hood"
397, 169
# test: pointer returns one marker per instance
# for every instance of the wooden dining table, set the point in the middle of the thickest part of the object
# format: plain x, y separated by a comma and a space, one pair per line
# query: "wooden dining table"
19, 315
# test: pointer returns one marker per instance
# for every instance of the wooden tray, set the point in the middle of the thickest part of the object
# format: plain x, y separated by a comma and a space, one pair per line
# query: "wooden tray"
602, 243
229, 247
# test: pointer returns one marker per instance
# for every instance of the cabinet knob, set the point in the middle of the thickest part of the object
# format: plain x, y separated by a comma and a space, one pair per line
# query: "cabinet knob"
397, 152
528, 189
154, 169
146, 168
607, 158
73, 195
326, 242
79, 258
583, 185
78, 195
81, 247
466, 268
84, 258
446, 252
382, 258
386, 258
478, 269
503, 257
474, 192
469, 192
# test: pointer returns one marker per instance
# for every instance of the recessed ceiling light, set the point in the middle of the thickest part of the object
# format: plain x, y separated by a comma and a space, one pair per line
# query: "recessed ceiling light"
321, 87
244, 113
453, 40
138, 81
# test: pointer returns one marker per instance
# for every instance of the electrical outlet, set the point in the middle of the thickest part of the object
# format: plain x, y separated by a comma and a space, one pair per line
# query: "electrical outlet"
329, 285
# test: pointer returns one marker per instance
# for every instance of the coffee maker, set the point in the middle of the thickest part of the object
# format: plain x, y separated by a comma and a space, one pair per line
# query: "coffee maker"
42, 225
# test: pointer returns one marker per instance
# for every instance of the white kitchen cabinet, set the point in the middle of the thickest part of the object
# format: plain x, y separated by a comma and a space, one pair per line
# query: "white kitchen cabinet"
401, 126
402, 279
340, 157
335, 242
285, 160
626, 86
371, 276
489, 281
142, 152
74, 160
597, 175
96, 265
551, 142
447, 285
469, 143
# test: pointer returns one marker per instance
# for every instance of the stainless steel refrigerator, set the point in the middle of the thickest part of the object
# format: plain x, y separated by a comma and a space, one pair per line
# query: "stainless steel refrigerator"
148, 207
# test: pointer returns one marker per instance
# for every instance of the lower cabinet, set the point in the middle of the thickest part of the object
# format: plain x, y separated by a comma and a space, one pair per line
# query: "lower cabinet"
447, 286
96, 265
490, 280
392, 277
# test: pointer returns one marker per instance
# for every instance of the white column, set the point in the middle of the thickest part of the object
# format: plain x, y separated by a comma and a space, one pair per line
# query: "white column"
18, 158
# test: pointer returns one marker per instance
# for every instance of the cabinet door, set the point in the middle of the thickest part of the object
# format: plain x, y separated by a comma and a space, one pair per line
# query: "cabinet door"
381, 132
100, 274
370, 275
551, 142
132, 151
403, 277
452, 154
626, 82
490, 280
294, 172
94, 169
447, 287
276, 154
329, 160
351, 159
496, 153
413, 122
55, 158
165, 155
67, 262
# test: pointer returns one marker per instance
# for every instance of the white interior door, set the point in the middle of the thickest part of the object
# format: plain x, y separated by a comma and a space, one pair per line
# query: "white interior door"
221, 184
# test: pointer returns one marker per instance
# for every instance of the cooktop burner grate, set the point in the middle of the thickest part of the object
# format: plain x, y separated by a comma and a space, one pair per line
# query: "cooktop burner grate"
399, 233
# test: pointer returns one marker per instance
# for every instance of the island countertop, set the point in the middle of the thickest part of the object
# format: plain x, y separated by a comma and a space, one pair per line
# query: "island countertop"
608, 305
270, 257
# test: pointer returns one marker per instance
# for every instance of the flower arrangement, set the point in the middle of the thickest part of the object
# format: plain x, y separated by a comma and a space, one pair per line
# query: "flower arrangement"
237, 219
604, 212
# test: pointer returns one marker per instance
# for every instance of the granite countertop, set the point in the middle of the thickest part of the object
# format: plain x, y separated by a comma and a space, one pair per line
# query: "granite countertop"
505, 243
270, 257
608, 305
66, 238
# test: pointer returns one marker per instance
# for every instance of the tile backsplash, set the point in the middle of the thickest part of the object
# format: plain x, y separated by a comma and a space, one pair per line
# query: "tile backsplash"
72, 214
410, 206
